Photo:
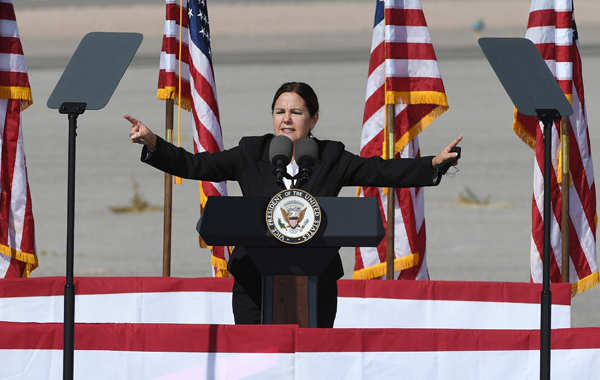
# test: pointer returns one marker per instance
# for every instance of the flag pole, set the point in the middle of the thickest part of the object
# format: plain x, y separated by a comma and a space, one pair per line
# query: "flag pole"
168, 202
564, 223
390, 109
391, 198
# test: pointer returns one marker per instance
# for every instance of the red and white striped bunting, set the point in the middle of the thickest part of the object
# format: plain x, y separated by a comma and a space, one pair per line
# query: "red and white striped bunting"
198, 91
402, 70
364, 304
17, 236
281, 352
552, 28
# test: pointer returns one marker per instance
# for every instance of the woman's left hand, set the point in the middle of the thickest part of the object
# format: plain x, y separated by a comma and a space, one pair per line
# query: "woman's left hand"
445, 154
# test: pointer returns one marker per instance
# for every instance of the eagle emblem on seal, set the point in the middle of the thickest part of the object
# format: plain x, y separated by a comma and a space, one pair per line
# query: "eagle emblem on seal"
293, 217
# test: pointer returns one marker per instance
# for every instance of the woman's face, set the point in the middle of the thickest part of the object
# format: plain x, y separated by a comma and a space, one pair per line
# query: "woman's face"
291, 117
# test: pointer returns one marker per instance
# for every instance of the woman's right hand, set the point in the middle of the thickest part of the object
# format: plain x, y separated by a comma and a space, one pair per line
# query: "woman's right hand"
140, 134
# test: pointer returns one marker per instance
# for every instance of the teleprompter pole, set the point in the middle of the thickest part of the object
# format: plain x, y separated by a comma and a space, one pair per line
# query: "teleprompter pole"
390, 233
73, 110
547, 117
168, 202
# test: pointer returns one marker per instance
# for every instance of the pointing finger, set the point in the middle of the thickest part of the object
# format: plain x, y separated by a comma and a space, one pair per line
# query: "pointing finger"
454, 143
131, 119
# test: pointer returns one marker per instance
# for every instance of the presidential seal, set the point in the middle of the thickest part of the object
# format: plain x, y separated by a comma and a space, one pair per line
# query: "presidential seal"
293, 216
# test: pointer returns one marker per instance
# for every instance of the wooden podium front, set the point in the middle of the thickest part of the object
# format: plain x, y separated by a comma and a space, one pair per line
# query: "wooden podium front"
291, 300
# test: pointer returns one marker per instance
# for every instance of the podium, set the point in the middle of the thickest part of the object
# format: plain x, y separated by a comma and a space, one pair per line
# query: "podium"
289, 272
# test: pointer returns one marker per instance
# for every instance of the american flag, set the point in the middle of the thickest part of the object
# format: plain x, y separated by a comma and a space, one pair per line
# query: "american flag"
198, 91
552, 28
402, 70
17, 235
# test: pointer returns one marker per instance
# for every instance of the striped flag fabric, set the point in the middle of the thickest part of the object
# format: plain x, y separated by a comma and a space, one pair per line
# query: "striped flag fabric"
403, 70
17, 235
552, 28
198, 91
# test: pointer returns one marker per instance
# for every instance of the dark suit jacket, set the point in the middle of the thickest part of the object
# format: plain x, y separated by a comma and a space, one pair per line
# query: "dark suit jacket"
248, 163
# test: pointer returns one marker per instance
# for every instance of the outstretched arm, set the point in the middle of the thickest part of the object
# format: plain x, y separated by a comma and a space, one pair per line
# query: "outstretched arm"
214, 167
400, 172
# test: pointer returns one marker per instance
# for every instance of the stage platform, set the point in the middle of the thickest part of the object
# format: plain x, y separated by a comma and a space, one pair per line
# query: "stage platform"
174, 328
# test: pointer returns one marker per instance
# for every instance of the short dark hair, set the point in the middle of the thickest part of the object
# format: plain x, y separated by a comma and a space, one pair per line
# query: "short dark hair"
304, 90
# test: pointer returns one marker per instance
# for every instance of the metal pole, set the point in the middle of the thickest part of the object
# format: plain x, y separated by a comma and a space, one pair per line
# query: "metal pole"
69, 304
546, 297
391, 199
73, 110
168, 201
564, 223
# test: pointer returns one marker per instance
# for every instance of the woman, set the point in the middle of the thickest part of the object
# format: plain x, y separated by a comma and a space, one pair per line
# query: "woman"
295, 110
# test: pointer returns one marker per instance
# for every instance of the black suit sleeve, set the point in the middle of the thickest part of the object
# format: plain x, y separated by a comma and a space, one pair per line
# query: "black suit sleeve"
399, 172
214, 167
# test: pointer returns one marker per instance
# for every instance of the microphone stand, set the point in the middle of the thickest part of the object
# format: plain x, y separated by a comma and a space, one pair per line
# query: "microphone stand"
280, 172
302, 177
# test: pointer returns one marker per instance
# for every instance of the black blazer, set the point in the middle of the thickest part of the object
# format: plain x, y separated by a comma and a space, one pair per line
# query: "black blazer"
248, 164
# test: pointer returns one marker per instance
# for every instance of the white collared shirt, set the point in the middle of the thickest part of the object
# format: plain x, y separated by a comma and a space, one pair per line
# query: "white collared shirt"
291, 169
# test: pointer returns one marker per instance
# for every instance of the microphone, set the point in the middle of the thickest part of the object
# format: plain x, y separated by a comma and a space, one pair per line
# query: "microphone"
307, 152
280, 154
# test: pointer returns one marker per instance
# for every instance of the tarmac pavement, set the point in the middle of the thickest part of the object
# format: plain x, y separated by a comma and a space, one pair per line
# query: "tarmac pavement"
464, 242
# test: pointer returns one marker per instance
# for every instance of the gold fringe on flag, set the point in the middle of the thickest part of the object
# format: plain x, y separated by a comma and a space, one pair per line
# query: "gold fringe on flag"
584, 284
379, 270
15, 92
167, 93
522, 132
30, 259
416, 97
221, 267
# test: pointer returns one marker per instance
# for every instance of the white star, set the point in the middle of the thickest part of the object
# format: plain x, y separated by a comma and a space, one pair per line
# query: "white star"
190, 13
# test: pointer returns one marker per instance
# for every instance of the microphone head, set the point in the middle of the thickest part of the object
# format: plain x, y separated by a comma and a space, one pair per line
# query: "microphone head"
280, 150
307, 152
